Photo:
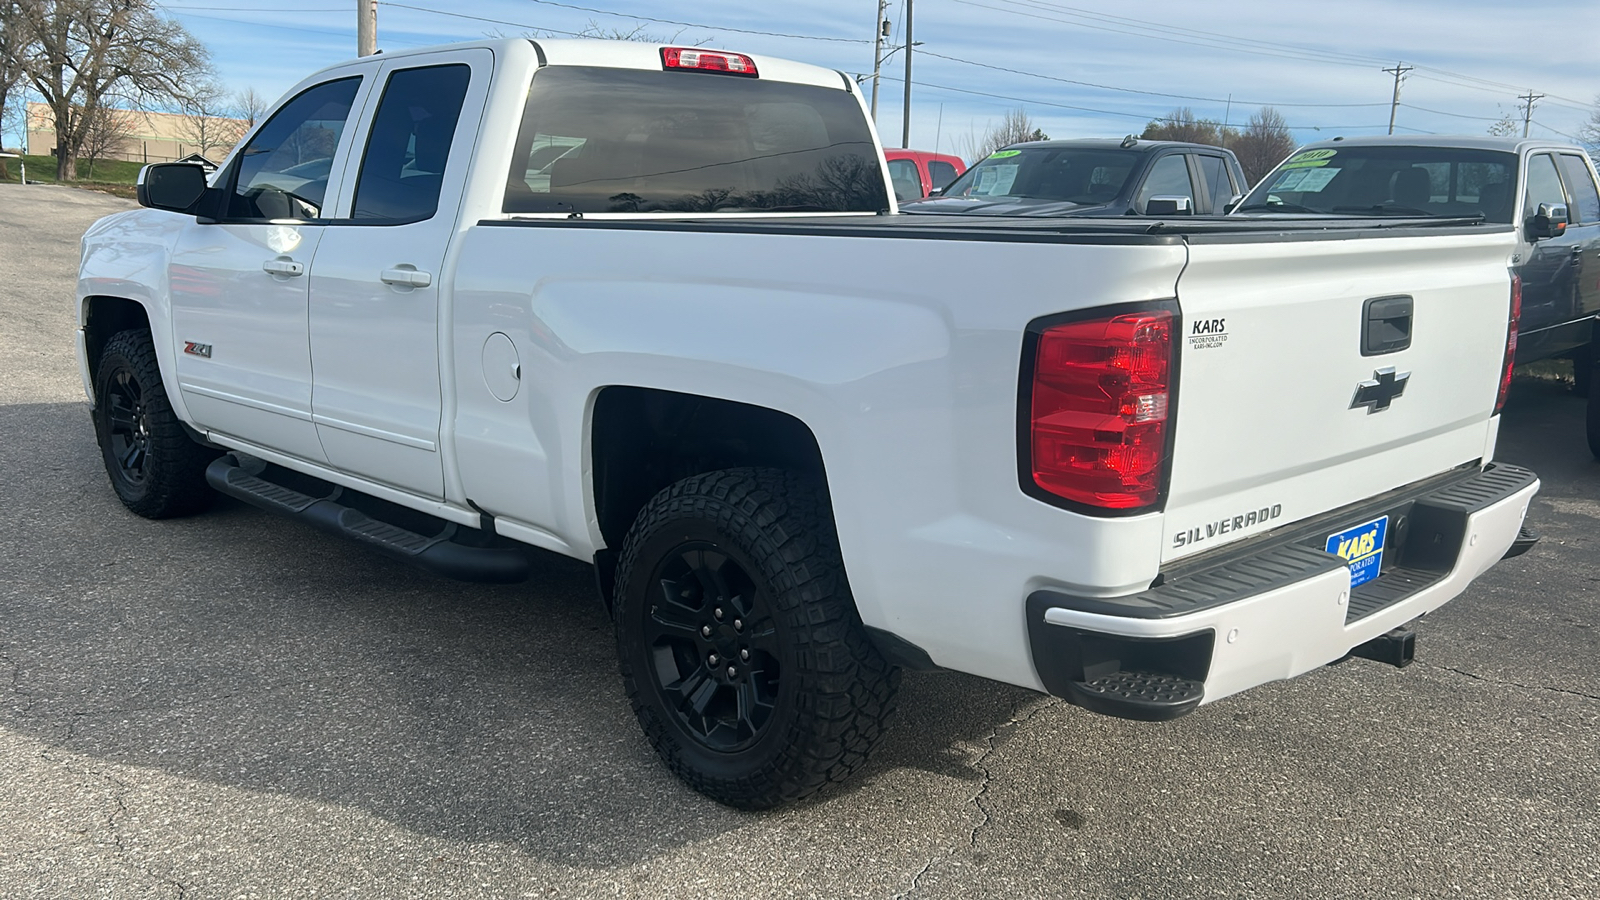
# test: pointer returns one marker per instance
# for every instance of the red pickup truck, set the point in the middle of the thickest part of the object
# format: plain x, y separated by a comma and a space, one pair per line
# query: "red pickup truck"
915, 173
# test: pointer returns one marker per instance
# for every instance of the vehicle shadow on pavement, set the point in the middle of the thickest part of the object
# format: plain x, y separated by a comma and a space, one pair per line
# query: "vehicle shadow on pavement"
248, 651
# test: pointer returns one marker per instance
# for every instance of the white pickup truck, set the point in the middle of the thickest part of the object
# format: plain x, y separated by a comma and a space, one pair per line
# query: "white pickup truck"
654, 308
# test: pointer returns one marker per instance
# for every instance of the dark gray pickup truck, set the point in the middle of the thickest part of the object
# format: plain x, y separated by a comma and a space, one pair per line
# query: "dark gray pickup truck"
1547, 189
1093, 177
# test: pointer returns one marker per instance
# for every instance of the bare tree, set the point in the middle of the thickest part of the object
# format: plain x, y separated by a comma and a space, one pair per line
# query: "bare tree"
207, 124
106, 132
249, 106
80, 55
1014, 128
1182, 125
1264, 143
1589, 133
10, 66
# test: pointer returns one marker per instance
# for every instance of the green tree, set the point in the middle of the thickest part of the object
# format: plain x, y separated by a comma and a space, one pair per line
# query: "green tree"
1182, 125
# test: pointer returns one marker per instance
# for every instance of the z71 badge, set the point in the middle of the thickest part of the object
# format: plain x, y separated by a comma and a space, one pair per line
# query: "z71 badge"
193, 349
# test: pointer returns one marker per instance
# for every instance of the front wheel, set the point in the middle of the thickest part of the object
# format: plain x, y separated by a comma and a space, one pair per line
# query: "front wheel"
157, 470
740, 646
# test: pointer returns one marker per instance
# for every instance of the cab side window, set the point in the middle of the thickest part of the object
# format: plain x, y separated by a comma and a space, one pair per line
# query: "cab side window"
905, 179
1217, 181
283, 172
1580, 186
402, 169
1544, 186
1169, 177
941, 173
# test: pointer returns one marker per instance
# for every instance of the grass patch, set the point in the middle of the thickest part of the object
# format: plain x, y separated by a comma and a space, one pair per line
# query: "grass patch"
113, 176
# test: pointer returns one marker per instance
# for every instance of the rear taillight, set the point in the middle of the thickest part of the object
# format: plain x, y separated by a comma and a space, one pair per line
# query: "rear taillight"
1511, 342
1098, 412
689, 58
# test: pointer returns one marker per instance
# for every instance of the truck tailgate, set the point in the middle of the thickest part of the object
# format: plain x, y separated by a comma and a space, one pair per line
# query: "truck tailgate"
1283, 413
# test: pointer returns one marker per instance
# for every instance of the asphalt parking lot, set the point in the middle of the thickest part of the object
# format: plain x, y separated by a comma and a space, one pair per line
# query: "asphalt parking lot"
234, 706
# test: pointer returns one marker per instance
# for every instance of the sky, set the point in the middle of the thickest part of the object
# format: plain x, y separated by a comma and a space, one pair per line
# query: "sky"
1078, 68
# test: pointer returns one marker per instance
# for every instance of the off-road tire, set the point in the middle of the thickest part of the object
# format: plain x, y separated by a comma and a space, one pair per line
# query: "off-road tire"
156, 468
832, 693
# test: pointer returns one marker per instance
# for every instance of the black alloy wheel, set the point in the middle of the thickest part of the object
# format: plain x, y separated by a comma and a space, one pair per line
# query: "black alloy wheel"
127, 430
713, 647
740, 646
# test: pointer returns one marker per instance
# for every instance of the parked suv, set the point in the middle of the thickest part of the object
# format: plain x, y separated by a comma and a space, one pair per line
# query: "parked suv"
1093, 177
1547, 189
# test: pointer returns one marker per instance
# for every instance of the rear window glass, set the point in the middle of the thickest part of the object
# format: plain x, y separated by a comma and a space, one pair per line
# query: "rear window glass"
1403, 181
940, 172
1069, 174
624, 140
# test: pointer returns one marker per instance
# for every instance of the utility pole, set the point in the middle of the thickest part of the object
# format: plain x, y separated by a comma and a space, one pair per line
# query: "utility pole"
1528, 100
905, 132
880, 30
1398, 70
366, 27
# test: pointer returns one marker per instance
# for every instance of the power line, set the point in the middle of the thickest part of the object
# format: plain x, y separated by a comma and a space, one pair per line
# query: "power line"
1105, 112
454, 15
1212, 37
607, 12
1279, 55
972, 62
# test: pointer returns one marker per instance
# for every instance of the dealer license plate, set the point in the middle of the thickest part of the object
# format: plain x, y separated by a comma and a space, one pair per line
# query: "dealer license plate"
1361, 548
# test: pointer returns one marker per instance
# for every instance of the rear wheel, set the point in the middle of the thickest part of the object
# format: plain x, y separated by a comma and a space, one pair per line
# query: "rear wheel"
740, 646
157, 470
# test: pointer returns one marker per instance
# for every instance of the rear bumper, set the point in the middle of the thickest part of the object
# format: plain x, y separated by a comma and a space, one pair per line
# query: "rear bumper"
1275, 607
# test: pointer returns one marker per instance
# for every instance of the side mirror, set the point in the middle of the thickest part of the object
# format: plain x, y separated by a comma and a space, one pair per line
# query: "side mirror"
175, 187
936, 192
1549, 221
1168, 206
1232, 203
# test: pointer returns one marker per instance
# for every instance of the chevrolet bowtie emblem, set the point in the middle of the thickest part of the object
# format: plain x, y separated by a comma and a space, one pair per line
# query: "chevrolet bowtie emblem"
1377, 393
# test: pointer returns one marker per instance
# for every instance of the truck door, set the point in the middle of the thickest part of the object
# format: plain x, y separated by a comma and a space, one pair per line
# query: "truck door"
1583, 206
238, 285
378, 279
1549, 274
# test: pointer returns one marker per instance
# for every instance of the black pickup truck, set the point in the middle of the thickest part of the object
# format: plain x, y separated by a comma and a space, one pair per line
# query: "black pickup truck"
1093, 177
1548, 189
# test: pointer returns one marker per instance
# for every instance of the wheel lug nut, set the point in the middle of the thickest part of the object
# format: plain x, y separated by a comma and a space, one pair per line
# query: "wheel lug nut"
712, 659
744, 655
738, 624
718, 613
705, 630
732, 672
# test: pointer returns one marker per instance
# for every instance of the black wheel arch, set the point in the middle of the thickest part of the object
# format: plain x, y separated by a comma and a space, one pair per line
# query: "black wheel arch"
103, 317
644, 439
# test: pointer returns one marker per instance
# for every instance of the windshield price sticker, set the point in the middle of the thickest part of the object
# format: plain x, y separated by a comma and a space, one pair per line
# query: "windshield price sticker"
1004, 154
1361, 548
1310, 159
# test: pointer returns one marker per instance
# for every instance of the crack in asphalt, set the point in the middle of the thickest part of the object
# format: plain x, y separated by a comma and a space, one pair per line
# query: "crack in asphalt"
16, 682
1527, 687
991, 743
120, 798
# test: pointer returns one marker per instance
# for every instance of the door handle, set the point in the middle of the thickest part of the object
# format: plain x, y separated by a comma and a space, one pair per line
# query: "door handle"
283, 266
406, 276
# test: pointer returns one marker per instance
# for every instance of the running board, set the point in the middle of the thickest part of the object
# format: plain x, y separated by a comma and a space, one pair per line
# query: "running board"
443, 548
